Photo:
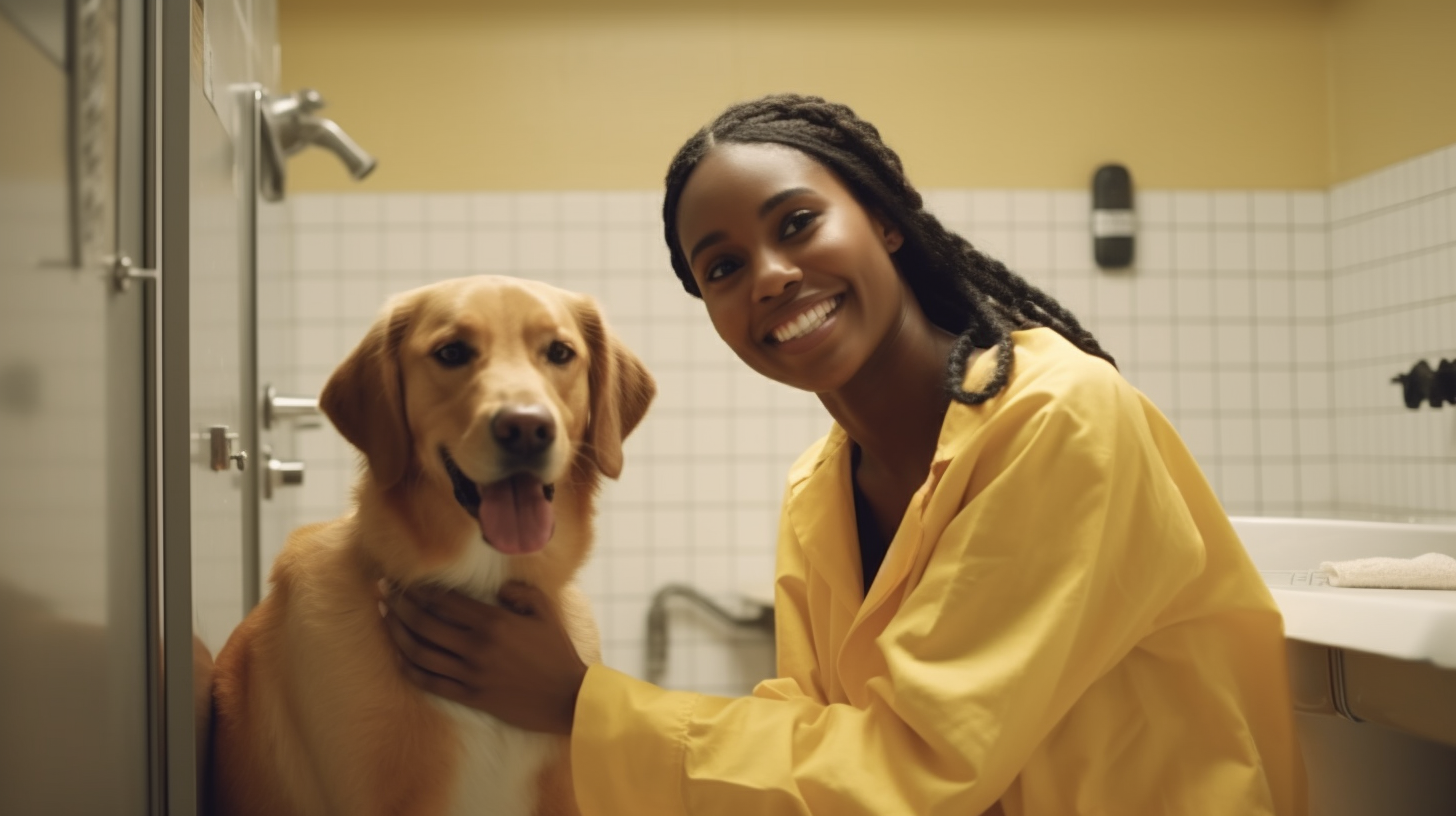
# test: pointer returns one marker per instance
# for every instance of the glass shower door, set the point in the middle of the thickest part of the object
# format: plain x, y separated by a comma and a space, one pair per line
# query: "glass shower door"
77, 665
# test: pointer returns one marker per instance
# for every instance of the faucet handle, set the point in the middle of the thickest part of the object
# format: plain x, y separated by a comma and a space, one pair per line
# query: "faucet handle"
1416, 385
309, 100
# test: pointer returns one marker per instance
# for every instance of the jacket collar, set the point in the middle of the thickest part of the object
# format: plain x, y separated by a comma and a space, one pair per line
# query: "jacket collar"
821, 510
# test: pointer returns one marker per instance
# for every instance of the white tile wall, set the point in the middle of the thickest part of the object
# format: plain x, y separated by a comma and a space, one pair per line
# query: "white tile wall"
1393, 302
1224, 322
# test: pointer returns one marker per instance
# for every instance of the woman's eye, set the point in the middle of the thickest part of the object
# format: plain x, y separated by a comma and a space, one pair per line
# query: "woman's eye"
796, 221
454, 355
721, 269
559, 353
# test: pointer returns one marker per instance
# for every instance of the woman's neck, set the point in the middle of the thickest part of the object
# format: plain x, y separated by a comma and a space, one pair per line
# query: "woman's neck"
894, 406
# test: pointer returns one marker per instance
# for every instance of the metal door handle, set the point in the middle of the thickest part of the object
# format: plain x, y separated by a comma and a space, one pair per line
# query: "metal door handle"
278, 406
120, 270
281, 473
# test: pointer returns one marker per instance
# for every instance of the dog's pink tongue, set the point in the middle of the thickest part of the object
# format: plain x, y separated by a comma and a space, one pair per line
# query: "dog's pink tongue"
515, 516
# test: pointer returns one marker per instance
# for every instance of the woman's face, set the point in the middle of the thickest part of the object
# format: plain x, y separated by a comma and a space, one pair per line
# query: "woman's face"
796, 275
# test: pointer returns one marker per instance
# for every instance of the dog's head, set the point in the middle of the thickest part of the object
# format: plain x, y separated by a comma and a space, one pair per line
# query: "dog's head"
494, 388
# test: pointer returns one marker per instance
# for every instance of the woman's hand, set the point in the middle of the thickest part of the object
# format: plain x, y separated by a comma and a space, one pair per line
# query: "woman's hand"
514, 661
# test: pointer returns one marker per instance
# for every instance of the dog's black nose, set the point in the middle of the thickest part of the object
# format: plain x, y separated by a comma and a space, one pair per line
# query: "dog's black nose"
524, 430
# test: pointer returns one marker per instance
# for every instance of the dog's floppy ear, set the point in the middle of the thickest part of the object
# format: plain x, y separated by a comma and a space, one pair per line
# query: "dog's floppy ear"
621, 390
364, 397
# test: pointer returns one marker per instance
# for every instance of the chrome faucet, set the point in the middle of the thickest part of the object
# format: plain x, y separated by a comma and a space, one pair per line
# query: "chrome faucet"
289, 125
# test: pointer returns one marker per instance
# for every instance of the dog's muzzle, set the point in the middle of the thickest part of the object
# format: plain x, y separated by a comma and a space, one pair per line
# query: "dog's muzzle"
514, 513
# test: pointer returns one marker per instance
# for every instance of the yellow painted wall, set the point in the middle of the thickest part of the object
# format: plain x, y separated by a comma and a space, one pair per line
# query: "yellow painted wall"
1392, 82
481, 94
30, 85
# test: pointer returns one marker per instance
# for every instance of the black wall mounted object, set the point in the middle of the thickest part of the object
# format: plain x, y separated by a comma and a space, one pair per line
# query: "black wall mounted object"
1113, 221
1434, 386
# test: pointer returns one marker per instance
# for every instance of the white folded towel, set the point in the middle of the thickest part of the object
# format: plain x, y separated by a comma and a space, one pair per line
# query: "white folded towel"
1429, 571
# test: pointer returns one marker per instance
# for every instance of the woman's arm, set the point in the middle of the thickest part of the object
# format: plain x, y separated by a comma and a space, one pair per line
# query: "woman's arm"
1067, 547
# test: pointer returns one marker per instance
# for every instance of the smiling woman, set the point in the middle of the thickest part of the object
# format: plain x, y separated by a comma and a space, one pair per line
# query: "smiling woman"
821, 154
760, 240
1003, 584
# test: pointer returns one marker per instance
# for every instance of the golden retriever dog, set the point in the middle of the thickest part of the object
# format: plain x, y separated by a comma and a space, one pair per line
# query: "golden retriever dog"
487, 409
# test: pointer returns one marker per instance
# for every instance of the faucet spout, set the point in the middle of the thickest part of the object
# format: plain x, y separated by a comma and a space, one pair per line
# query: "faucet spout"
290, 124
327, 134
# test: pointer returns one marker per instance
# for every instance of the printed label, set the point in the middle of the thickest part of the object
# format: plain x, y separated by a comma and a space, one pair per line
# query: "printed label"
1113, 223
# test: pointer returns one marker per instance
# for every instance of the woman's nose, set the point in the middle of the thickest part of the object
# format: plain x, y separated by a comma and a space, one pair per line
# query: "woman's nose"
776, 276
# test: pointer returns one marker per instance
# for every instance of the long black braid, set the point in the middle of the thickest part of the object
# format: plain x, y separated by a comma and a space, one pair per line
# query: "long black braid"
960, 289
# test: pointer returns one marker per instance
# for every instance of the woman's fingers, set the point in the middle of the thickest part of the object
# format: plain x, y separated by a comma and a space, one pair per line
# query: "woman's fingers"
448, 607
515, 661
524, 599
427, 625
432, 683
448, 621
423, 654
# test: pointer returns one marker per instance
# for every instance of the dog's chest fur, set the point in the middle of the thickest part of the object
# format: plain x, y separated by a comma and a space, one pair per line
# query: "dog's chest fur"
499, 764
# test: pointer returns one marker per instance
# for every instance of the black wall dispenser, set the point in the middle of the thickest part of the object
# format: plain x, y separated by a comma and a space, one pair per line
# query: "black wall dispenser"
1113, 221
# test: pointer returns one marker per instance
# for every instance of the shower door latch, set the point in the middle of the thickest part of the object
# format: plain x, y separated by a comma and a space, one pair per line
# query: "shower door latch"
221, 445
123, 272
120, 270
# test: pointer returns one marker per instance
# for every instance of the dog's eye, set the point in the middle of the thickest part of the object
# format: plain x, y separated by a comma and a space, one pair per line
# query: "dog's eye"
454, 355
559, 353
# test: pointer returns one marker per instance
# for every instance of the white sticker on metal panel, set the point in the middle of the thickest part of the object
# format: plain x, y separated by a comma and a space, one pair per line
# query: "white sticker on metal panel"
1113, 223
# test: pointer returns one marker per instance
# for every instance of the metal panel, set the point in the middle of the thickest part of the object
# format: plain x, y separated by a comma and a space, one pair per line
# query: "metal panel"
180, 735
73, 443
216, 335
247, 98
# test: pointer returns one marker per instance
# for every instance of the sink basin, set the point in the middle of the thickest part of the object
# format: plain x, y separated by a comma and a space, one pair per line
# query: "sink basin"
1405, 624
1385, 656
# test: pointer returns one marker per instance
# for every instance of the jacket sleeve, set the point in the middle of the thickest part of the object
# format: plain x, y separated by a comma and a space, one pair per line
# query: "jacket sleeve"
1037, 586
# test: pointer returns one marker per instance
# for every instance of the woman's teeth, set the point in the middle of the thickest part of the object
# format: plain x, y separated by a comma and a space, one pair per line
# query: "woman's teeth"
806, 322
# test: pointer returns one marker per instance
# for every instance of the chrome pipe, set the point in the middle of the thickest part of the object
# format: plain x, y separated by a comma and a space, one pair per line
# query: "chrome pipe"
657, 629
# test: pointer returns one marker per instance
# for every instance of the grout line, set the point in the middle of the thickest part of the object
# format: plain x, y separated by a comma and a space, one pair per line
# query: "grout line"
1389, 209
1389, 260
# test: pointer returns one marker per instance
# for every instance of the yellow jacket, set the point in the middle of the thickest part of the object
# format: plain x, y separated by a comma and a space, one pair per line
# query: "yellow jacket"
1065, 623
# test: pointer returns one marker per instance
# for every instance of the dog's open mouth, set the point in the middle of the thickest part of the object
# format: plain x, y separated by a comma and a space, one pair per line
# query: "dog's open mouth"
515, 513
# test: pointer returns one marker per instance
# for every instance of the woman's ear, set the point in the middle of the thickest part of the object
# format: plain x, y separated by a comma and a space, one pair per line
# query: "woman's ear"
890, 235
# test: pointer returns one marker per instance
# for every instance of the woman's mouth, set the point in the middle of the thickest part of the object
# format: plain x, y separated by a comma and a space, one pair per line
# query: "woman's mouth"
811, 319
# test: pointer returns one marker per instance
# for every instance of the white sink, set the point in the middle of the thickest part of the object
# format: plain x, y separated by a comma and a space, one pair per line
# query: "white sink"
1406, 624
1384, 656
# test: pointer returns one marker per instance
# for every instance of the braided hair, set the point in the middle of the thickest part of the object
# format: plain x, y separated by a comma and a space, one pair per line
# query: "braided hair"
960, 289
